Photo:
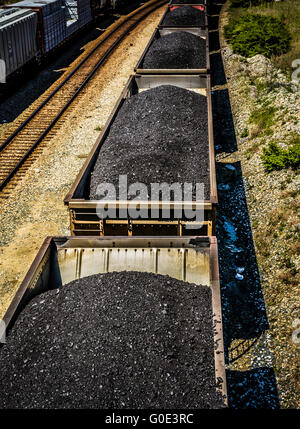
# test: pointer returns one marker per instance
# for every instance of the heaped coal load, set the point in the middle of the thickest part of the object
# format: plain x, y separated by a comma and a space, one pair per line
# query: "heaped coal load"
117, 340
178, 50
159, 136
184, 16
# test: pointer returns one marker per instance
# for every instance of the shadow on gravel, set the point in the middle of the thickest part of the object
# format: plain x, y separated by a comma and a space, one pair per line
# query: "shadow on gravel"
214, 42
217, 69
216, 63
19, 93
214, 8
242, 299
213, 22
243, 307
252, 389
224, 133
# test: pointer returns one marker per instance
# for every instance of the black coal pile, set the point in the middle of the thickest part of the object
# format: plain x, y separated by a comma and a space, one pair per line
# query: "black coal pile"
118, 340
184, 15
159, 135
178, 50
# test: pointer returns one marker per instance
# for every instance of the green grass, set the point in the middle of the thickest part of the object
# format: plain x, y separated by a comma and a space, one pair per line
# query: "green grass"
253, 34
289, 12
271, 83
245, 133
276, 158
253, 149
263, 118
247, 3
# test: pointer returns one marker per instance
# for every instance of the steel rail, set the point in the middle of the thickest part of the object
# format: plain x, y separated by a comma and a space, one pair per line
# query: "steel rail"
144, 13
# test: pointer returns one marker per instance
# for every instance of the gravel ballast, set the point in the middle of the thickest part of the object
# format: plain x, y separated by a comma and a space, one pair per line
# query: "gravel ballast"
184, 15
178, 50
117, 340
159, 135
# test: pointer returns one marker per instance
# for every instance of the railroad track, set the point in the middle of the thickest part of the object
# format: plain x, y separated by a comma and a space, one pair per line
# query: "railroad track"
21, 148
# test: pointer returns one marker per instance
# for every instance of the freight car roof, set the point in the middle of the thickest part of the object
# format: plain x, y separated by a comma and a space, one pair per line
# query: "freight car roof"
48, 6
29, 4
42, 3
7, 16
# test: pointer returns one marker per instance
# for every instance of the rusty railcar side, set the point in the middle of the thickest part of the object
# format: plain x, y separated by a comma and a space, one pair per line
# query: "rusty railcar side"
83, 212
61, 260
203, 27
161, 32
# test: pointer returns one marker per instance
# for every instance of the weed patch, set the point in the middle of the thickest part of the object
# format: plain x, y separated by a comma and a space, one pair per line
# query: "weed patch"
263, 118
288, 12
276, 158
245, 133
253, 34
247, 3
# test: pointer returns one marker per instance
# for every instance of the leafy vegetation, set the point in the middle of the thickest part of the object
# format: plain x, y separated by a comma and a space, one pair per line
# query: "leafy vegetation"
276, 158
245, 133
263, 118
253, 34
287, 11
